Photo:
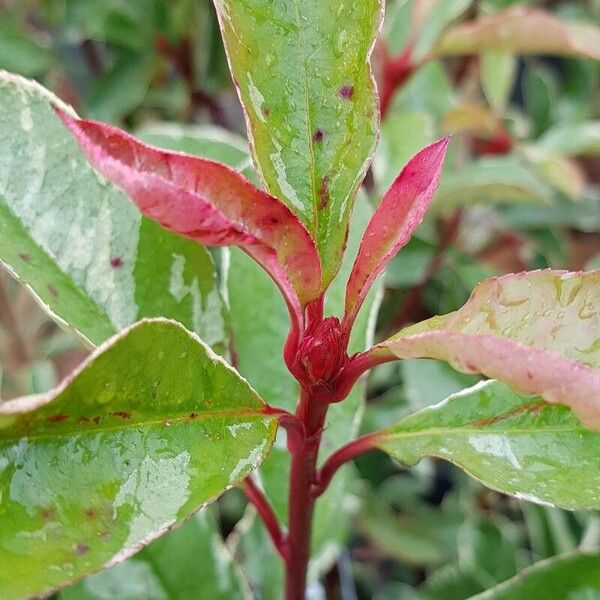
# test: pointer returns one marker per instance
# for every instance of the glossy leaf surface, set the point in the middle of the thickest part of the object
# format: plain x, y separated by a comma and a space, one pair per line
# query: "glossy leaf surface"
516, 445
574, 576
302, 73
537, 331
522, 31
400, 212
208, 202
189, 563
152, 426
89, 256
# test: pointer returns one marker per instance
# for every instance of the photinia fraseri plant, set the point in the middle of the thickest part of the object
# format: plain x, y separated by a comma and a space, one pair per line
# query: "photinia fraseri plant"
155, 424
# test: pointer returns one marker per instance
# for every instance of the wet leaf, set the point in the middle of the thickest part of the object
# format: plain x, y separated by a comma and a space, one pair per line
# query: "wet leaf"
399, 213
189, 563
92, 260
302, 73
151, 427
521, 30
207, 202
516, 445
537, 331
575, 576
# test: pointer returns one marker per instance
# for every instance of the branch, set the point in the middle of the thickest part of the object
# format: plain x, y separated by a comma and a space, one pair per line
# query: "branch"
267, 515
339, 458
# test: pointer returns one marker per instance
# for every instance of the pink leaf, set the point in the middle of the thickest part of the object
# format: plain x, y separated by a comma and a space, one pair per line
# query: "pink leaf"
537, 331
396, 218
207, 202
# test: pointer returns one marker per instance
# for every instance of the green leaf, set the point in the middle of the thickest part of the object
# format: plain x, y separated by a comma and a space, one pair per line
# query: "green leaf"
82, 247
572, 139
303, 75
206, 141
20, 53
263, 332
573, 577
402, 136
521, 30
190, 563
432, 17
120, 90
497, 77
517, 445
540, 89
538, 331
583, 216
563, 173
151, 427
498, 179
405, 537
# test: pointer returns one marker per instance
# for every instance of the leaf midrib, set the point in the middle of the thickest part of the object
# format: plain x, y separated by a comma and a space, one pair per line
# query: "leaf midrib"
311, 149
469, 430
127, 424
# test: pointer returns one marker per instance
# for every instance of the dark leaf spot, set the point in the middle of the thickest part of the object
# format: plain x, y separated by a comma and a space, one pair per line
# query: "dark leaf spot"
346, 92
47, 513
81, 549
121, 413
116, 262
57, 418
266, 111
25, 257
318, 136
90, 513
194, 415
105, 536
53, 290
83, 420
96, 420
324, 192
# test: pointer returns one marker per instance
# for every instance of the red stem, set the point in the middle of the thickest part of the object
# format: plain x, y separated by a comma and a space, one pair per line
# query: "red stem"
267, 515
340, 457
301, 502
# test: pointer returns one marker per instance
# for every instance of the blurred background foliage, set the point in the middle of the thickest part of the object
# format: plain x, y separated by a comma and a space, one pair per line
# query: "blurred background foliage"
521, 190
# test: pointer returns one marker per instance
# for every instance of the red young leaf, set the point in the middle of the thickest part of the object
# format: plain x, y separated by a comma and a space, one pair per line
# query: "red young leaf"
397, 216
207, 202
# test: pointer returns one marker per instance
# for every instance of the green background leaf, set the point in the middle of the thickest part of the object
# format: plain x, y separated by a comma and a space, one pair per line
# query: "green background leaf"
189, 563
574, 577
